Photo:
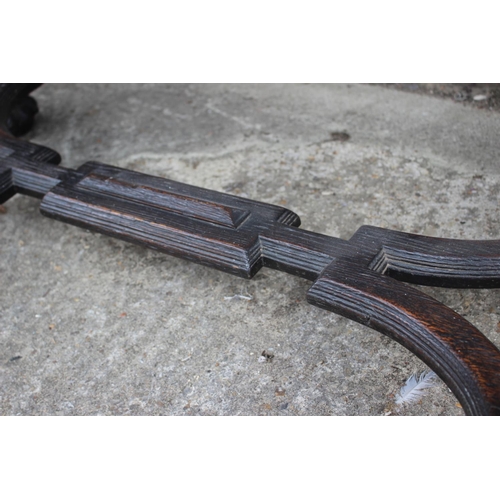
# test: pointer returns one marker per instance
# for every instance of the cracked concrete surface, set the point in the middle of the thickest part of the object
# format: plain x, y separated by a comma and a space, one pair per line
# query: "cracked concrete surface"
92, 325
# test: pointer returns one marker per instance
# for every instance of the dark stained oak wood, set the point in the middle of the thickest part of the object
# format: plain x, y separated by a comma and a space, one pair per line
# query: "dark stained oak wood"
359, 279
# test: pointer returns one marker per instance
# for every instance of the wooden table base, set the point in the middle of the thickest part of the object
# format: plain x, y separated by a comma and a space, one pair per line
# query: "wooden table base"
361, 279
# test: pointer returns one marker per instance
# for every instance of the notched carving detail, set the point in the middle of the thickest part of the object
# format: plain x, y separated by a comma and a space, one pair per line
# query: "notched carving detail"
427, 260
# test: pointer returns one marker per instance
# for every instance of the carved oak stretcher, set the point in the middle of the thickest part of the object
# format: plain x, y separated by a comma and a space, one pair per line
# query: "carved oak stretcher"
361, 279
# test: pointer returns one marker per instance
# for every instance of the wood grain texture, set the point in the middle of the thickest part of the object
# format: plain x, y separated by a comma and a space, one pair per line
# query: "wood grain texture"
359, 278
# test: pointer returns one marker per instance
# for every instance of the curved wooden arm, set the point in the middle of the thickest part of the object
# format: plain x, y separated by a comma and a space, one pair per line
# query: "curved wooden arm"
459, 353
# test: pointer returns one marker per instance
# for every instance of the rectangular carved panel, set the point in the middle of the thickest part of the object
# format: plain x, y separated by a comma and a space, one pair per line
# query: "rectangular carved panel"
169, 216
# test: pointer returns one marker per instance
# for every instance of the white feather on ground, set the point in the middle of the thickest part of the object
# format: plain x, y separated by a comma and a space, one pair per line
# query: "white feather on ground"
415, 387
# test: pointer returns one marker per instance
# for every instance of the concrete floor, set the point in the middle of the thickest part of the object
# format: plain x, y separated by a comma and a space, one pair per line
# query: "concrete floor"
95, 326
